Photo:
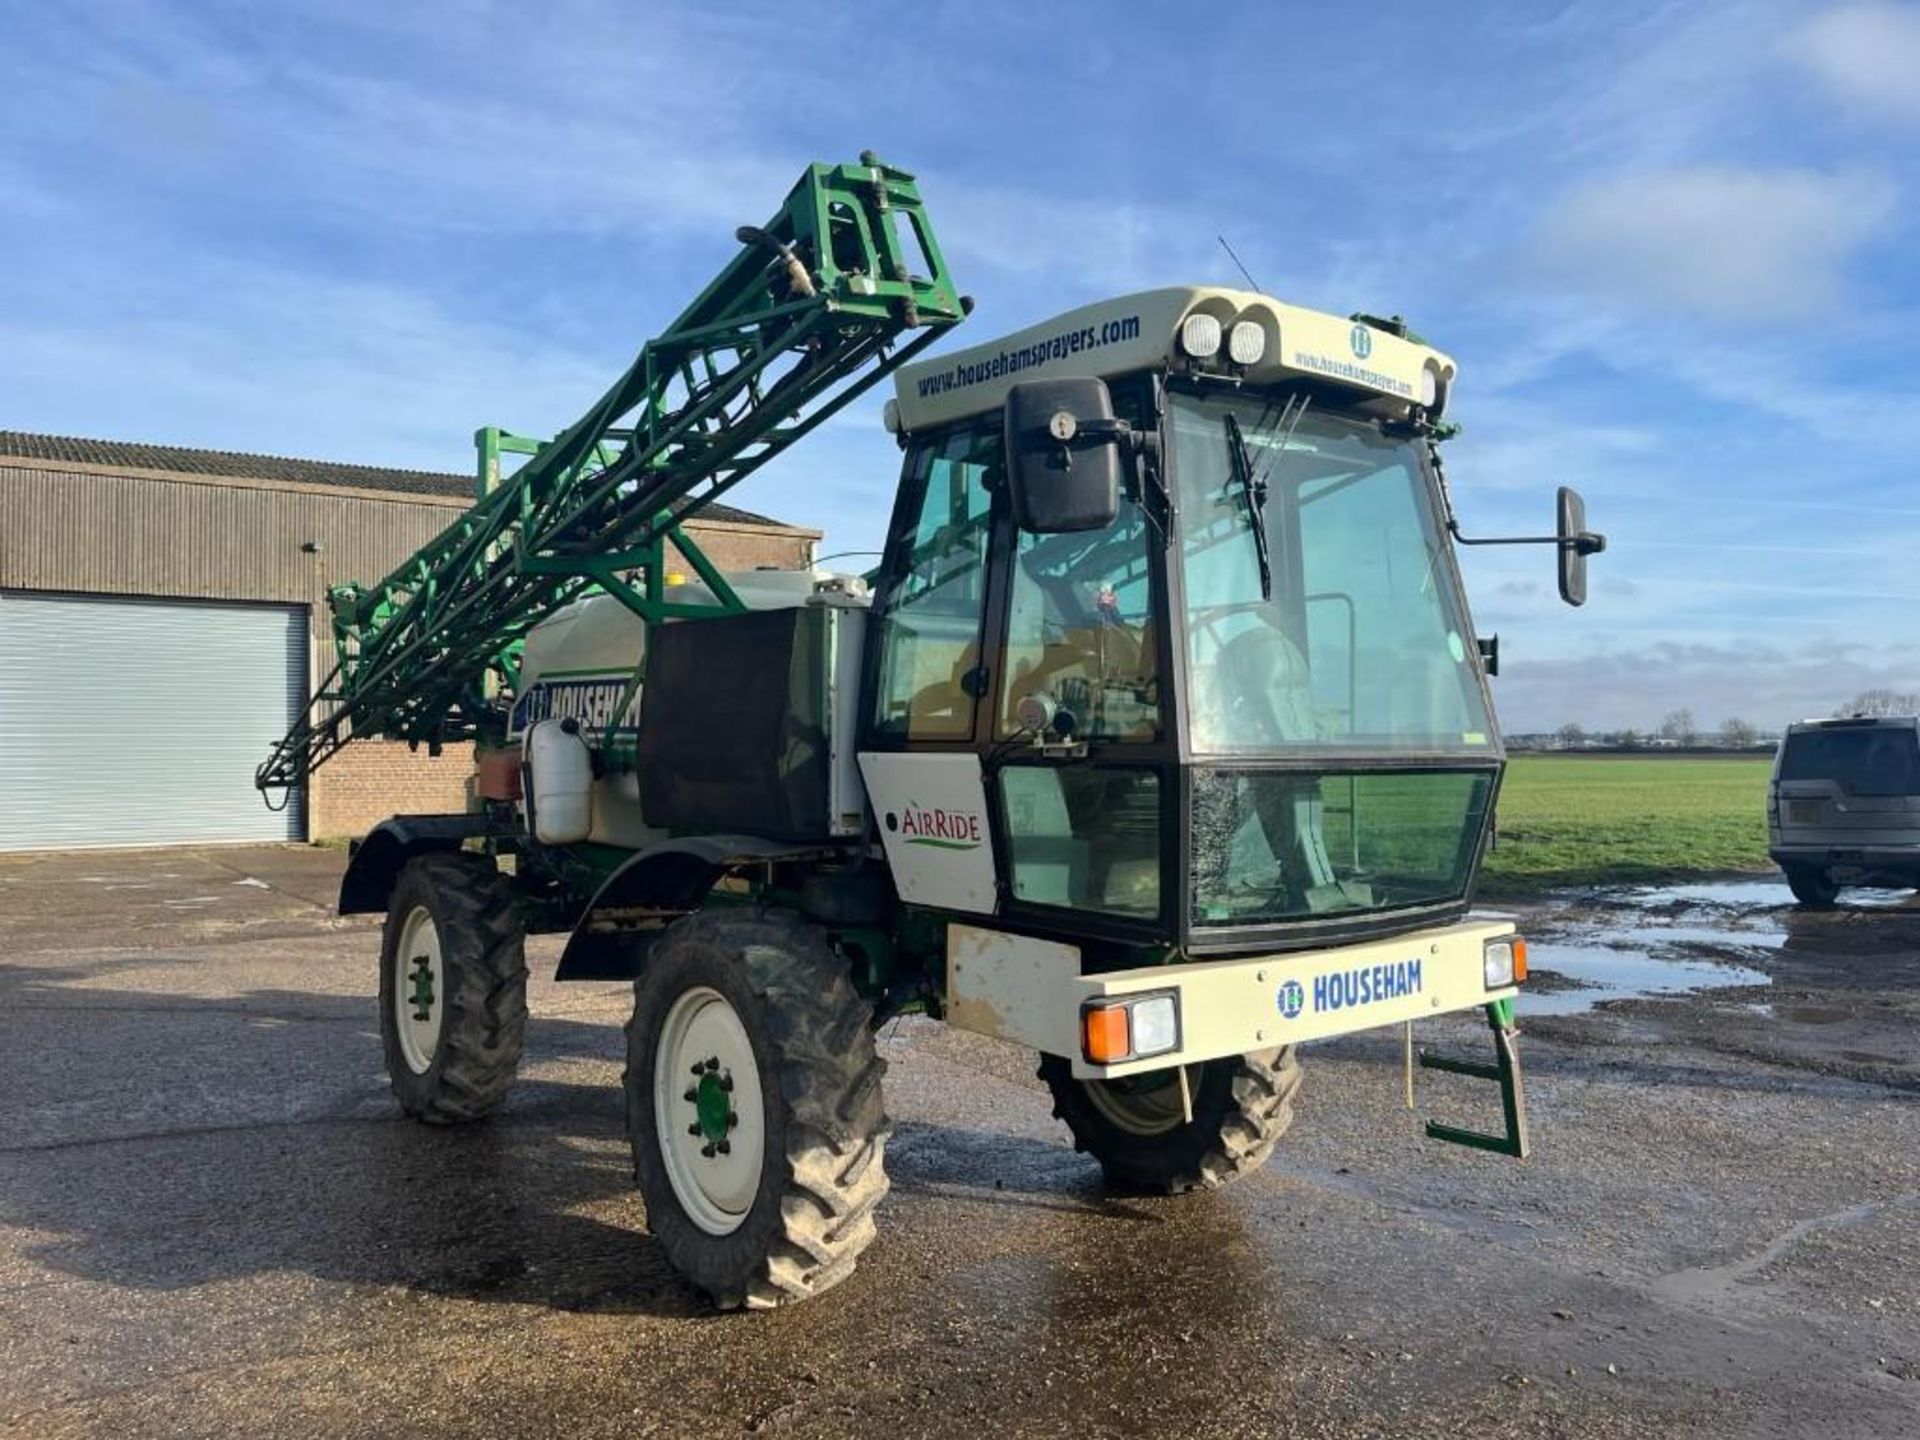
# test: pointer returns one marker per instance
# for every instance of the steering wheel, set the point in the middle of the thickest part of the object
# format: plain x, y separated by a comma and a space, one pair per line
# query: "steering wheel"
1209, 620
1258, 669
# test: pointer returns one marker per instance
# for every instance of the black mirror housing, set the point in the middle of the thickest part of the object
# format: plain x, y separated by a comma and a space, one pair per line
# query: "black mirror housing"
1576, 544
1063, 455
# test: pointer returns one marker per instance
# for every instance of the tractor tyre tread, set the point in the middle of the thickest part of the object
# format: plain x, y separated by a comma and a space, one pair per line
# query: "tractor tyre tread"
828, 1079
483, 1032
1239, 1117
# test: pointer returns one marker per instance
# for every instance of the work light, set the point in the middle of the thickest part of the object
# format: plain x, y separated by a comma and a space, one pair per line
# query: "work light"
1200, 336
1246, 343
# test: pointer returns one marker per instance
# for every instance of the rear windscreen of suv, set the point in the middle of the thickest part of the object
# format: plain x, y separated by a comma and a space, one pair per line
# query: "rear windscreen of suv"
1872, 760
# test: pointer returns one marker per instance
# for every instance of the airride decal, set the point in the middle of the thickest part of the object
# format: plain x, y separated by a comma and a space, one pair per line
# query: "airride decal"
1346, 989
937, 829
919, 799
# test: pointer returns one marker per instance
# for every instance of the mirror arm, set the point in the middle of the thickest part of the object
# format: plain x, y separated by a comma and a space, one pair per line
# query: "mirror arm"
1587, 542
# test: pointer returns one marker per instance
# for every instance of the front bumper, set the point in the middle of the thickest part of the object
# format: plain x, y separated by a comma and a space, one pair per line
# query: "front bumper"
1031, 991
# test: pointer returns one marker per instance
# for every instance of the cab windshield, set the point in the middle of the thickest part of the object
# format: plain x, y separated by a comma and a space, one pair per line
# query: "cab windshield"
1342, 630
1324, 634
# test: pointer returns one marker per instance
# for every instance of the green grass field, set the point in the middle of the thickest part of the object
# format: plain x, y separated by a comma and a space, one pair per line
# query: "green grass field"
1598, 820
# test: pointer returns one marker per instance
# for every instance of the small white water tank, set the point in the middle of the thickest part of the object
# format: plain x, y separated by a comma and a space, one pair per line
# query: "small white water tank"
562, 788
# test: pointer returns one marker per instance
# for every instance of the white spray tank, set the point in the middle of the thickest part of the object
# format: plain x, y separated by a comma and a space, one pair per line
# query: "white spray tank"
560, 787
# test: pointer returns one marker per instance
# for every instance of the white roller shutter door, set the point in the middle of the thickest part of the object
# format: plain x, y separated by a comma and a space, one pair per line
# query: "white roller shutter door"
140, 722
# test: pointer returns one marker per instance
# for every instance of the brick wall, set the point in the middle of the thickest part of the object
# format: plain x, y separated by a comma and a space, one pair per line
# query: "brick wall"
371, 780
744, 548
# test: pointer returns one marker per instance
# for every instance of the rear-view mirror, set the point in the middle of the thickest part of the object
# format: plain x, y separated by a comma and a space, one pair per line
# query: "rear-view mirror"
1576, 544
1063, 455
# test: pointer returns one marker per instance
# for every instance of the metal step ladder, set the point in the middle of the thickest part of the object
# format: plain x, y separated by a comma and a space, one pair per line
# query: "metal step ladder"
1504, 1070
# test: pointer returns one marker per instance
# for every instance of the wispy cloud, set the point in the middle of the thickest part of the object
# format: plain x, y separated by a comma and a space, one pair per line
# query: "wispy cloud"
1866, 57
1749, 245
285, 362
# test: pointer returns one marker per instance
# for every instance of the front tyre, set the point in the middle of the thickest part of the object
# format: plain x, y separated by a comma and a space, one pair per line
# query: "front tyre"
1137, 1128
453, 988
754, 1107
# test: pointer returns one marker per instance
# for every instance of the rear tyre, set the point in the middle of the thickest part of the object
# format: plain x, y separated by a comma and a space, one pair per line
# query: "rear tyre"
1136, 1127
1814, 889
453, 988
754, 1107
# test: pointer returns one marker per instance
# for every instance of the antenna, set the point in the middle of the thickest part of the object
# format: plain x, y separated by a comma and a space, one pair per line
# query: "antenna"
1236, 260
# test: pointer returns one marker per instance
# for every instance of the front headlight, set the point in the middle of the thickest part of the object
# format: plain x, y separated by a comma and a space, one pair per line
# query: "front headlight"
1130, 1027
1504, 962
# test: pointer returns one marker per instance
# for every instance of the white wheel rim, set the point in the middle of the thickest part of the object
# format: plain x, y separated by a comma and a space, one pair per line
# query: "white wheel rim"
1136, 1111
704, 1062
419, 990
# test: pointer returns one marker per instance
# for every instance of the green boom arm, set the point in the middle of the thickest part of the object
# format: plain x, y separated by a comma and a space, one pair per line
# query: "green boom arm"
802, 321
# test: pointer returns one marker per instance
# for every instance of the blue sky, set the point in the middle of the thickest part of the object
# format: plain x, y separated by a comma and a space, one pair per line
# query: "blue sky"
1672, 246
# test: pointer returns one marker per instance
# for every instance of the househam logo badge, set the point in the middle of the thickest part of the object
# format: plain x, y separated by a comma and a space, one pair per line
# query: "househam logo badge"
939, 829
1293, 999
1361, 339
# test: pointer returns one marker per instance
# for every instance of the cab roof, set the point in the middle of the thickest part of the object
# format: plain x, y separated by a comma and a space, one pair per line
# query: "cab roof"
1143, 331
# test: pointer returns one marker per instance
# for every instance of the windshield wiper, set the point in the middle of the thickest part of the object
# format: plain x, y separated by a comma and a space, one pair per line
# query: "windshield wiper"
1254, 492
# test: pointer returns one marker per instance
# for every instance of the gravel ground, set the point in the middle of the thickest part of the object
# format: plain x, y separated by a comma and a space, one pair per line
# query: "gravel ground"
214, 1222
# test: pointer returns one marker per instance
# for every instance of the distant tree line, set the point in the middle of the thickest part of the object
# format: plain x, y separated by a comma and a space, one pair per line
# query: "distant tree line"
1883, 702
1678, 730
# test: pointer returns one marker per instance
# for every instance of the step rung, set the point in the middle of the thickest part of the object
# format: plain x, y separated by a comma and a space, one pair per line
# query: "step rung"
1477, 1139
1478, 1069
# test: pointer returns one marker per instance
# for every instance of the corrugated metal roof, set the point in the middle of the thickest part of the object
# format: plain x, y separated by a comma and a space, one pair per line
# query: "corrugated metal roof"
182, 460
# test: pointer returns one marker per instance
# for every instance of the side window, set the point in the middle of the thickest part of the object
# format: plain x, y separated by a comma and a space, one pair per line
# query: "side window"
930, 627
1084, 837
1080, 630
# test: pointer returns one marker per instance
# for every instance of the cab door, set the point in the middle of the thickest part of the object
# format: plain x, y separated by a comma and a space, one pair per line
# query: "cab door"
927, 673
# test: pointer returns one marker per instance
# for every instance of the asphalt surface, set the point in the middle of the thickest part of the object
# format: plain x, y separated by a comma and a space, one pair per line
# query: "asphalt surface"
213, 1222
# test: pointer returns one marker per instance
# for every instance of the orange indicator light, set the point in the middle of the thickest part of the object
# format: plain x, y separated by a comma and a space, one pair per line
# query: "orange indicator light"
1107, 1034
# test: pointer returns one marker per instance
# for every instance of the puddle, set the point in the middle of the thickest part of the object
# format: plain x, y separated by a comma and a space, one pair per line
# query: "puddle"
1671, 941
1653, 958
1718, 936
1601, 973
1756, 895
1736, 893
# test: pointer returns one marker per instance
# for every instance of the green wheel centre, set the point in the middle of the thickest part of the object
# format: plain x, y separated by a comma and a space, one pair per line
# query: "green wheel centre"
713, 1107
420, 990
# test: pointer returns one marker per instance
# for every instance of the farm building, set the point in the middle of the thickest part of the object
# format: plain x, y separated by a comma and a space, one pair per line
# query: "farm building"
163, 617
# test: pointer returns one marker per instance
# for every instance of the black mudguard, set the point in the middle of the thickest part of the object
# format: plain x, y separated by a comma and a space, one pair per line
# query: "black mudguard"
654, 888
375, 863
